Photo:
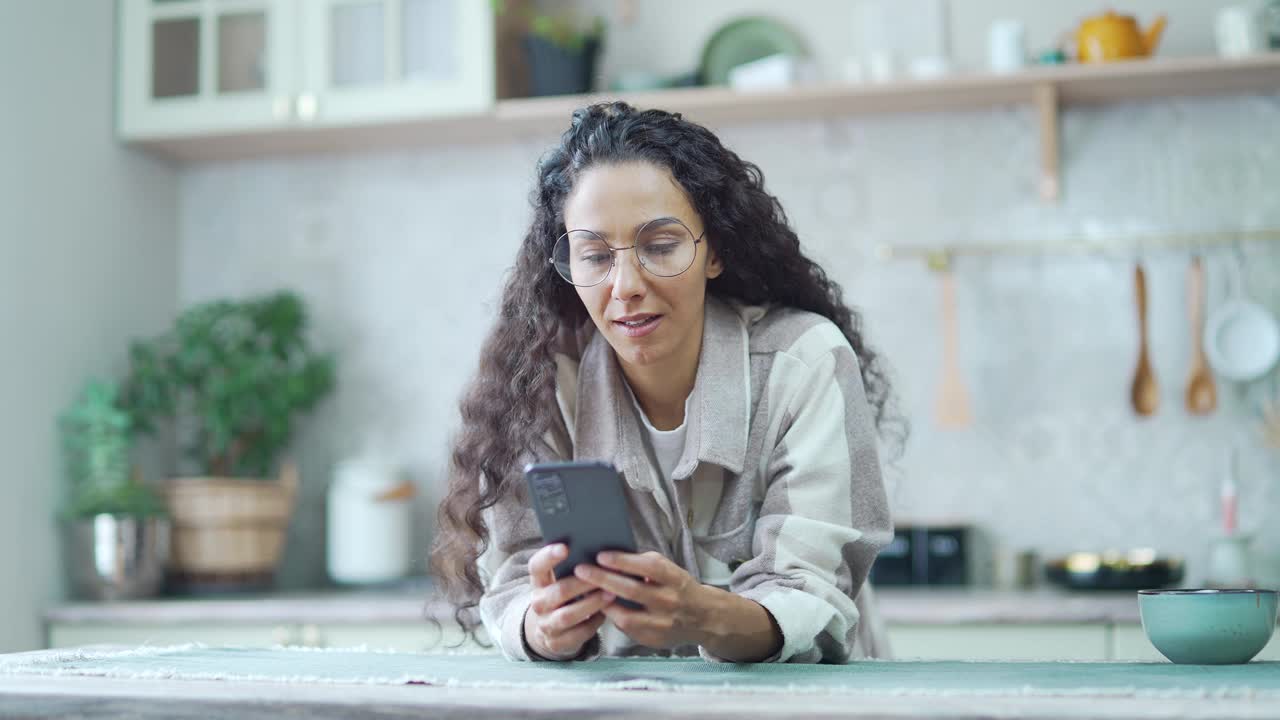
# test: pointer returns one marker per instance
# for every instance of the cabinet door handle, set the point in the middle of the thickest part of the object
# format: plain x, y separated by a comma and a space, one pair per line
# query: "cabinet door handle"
281, 107
280, 635
307, 105
311, 636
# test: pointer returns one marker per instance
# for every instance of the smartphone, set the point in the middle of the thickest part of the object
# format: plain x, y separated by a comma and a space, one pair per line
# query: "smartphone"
583, 505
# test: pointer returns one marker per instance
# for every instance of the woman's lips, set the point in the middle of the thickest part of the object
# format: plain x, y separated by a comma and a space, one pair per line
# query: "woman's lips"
635, 331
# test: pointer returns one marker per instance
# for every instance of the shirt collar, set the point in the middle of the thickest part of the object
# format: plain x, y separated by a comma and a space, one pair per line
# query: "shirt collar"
606, 425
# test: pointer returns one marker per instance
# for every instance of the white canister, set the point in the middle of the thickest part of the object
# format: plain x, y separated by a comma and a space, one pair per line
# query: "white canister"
883, 65
1229, 563
1007, 46
1238, 31
370, 523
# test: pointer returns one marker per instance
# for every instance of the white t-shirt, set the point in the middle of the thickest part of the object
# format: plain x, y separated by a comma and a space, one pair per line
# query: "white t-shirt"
667, 445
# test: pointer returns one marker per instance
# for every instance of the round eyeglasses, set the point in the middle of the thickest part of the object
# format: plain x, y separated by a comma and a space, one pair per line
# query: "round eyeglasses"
665, 247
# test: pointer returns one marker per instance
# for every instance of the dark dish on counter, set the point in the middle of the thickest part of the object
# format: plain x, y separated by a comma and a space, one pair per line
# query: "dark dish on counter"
1138, 569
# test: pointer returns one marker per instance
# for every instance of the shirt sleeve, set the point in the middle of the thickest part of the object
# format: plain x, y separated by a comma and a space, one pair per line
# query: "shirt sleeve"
824, 515
513, 538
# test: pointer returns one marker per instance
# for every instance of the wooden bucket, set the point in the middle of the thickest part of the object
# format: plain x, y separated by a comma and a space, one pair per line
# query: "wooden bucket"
229, 530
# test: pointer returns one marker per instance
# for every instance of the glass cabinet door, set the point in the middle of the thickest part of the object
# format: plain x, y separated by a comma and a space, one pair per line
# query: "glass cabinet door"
195, 66
393, 59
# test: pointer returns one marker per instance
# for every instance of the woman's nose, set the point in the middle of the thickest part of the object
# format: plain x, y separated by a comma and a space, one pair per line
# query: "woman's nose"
628, 276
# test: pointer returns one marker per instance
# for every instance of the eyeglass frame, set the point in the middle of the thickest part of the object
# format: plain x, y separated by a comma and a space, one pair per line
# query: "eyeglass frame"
613, 251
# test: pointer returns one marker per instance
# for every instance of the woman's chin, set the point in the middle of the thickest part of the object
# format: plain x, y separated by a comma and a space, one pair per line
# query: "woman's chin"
637, 355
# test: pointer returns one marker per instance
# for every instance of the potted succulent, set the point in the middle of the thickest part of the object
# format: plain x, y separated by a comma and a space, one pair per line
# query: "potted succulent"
116, 537
230, 378
560, 50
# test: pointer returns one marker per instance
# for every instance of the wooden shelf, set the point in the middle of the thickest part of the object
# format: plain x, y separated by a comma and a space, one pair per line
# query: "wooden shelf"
1076, 85
940, 257
1044, 88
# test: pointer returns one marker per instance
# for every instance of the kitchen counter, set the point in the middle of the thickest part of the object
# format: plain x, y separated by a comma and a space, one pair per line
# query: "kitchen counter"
409, 603
272, 683
81, 697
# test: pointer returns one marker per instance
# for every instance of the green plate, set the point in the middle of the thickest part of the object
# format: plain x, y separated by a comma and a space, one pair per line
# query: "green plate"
743, 40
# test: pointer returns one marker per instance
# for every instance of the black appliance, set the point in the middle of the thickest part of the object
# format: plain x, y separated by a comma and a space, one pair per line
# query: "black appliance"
925, 555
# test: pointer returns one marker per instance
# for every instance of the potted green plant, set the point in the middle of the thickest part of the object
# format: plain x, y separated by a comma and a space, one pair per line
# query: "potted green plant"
561, 51
116, 533
231, 379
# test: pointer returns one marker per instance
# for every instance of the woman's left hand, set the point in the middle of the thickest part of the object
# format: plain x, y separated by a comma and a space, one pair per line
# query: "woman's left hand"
675, 604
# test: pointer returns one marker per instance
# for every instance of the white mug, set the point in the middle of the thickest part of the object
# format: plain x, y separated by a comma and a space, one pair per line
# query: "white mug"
1006, 46
1238, 31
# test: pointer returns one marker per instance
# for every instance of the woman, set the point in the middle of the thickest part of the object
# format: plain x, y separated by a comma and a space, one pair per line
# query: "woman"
661, 316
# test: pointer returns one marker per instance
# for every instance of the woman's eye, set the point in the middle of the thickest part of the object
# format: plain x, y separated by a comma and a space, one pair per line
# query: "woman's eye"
596, 259
660, 248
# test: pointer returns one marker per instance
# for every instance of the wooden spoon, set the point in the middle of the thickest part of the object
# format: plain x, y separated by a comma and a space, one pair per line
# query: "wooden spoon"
1145, 394
1202, 396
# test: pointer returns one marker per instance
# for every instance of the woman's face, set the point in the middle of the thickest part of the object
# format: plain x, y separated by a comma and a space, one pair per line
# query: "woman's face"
647, 319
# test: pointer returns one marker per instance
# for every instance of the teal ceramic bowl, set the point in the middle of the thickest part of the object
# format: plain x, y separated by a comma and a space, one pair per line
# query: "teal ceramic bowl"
1208, 627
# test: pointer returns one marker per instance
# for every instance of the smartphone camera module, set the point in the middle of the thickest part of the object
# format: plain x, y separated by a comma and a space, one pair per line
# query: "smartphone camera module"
548, 491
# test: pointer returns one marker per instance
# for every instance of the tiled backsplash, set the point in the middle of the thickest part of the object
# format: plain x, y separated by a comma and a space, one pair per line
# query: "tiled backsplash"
401, 255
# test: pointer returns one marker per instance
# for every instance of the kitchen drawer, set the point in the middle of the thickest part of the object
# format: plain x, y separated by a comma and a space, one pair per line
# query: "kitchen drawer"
421, 636
248, 634
999, 642
1131, 644
415, 636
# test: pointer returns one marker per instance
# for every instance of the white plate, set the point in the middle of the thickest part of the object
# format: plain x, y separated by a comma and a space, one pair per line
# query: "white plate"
1242, 341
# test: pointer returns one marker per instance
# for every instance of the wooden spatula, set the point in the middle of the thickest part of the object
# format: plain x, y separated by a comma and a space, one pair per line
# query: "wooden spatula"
954, 410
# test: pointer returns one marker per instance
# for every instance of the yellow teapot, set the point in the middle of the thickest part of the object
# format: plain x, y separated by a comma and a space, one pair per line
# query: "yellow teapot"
1116, 37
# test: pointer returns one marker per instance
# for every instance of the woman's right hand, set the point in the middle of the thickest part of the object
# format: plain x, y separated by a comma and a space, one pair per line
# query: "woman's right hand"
557, 624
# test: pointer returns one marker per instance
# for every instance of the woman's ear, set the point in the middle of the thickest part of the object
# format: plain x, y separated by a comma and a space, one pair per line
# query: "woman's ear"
714, 266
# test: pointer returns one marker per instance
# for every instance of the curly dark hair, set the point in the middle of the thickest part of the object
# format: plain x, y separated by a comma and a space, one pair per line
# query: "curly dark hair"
510, 406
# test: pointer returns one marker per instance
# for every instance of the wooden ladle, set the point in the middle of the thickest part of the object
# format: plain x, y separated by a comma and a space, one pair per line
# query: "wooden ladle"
1145, 393
1202, 396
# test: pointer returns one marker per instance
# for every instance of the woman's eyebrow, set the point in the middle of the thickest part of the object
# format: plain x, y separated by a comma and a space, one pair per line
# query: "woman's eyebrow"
656, 222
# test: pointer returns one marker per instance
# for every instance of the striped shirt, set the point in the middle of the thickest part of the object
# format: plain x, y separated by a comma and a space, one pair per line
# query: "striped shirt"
777, 497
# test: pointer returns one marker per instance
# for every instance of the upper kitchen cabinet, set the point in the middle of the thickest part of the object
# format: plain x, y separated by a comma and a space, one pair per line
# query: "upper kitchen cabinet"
375, 60
203, 68
192, 67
